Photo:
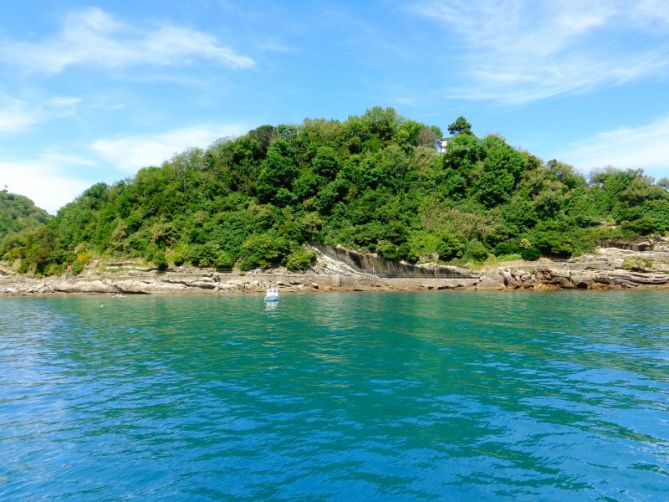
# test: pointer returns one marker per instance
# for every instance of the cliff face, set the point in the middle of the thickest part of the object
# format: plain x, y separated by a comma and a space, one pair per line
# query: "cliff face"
371, 263
608, 268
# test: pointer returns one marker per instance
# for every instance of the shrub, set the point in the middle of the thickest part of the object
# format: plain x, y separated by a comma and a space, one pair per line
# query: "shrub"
54, 269
204, 255
263, 251
225, 260
643, 226
450, 247
178, 258
178, 255
530, 254
160, 260
390, 251
508, 247
77, 267
84, 257
300, 259
476, 251
556, 244
423, 244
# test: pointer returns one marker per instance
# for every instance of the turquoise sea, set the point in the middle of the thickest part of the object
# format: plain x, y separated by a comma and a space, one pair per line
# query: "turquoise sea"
358, 396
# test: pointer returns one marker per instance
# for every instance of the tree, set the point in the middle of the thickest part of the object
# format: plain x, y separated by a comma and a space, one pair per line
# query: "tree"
450, 247
372, 183
278, 172
300, 259
460, 126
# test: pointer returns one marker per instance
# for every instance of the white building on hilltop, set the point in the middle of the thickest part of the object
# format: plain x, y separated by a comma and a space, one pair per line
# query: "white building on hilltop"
441, 144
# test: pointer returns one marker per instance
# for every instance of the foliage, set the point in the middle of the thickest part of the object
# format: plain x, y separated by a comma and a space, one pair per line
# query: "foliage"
300, 259
460, 126
450, 247
160, 260
372, 182
530, 254
263, 251
17, 213
476, 251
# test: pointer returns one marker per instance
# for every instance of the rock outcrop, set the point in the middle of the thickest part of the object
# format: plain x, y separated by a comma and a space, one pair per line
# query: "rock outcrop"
608, 268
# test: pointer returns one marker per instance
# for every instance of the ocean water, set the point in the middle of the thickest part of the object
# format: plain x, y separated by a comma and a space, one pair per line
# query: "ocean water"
358, 396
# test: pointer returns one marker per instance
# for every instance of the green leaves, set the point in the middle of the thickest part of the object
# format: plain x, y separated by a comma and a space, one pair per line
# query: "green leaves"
263, 251
460, 126
300, 259
373, 182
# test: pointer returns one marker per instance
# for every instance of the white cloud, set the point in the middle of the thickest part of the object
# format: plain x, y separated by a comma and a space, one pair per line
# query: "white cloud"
517, 51
92, 37
16, 118
129, 153
49, 179
17, 115
642, 147
64, 102
44, 180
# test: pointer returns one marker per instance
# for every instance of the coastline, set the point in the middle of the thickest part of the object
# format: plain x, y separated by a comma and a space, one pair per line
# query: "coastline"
607, 268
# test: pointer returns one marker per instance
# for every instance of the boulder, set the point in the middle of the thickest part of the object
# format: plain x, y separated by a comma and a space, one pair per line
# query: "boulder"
133, 286
491, 280
563, 282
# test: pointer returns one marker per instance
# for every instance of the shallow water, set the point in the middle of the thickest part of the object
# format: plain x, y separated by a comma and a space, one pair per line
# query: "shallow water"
343, 396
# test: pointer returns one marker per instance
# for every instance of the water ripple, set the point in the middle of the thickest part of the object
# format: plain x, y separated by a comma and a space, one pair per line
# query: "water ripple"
336, 396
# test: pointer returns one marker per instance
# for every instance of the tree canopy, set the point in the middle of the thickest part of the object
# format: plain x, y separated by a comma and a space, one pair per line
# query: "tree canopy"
372, 182
460, 126
18, 212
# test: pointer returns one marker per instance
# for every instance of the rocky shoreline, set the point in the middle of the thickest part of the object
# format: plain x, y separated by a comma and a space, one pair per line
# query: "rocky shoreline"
608, 268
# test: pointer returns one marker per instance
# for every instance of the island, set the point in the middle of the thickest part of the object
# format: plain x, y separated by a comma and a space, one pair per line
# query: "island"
375, 201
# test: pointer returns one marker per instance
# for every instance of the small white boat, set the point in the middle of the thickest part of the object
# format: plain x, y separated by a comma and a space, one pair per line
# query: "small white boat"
272, 295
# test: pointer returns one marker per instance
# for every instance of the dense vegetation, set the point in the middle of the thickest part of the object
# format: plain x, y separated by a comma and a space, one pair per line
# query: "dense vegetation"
18, 212
373, 183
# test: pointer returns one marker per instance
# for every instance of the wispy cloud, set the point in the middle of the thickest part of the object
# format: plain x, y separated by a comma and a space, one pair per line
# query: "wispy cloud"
129, 153
273, 45
92, 37
17, 115
642, 147
45, 179
517, 51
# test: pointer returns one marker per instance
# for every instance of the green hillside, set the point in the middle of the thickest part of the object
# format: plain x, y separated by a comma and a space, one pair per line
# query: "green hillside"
373, 182
18, 212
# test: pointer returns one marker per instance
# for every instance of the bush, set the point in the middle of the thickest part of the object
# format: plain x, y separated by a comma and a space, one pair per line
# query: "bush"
178, 258
395, 252
508, 247
178, 255
476, 251
530, 254
77, 267
555, 244
263, 251
225, 261
423, 244
160, 260
54, 269
204, 255
300, 259
450, 247
643, 226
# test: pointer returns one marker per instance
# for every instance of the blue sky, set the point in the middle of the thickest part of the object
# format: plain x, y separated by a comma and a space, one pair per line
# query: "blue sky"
92, 91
